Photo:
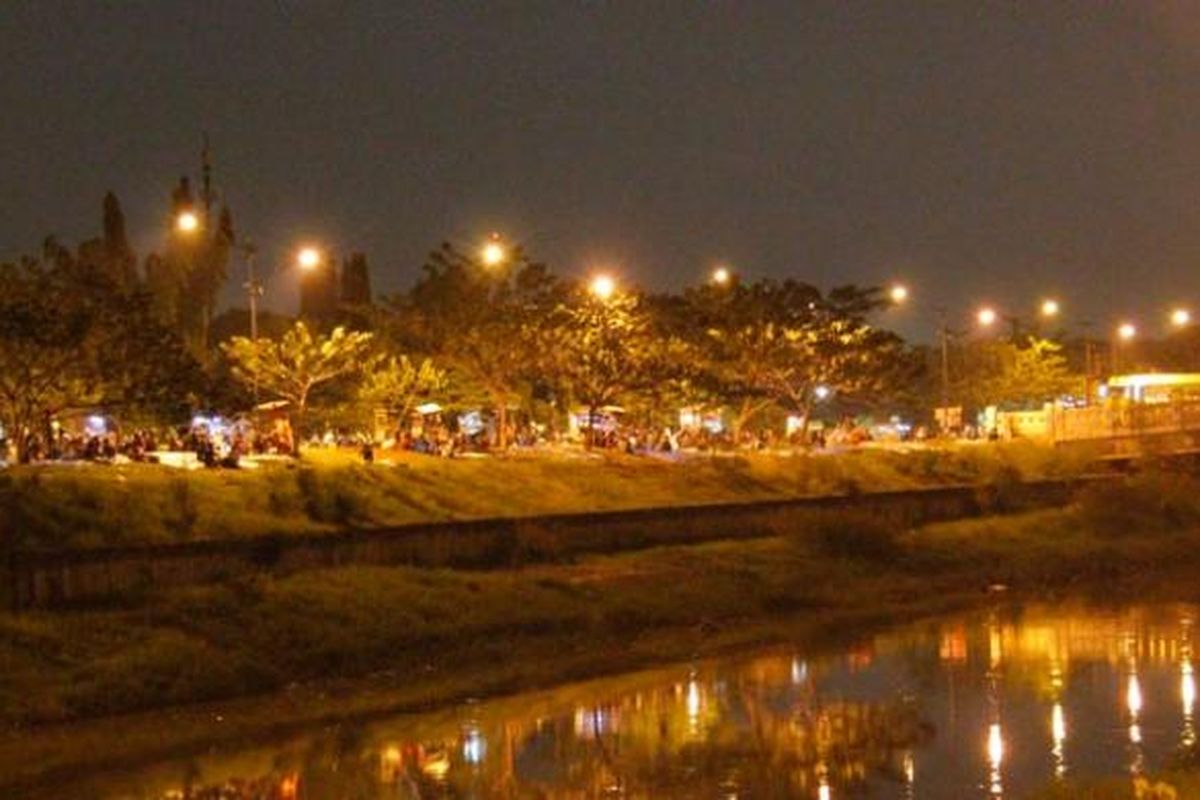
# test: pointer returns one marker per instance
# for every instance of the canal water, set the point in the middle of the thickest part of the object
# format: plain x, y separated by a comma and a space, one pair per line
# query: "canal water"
994, 704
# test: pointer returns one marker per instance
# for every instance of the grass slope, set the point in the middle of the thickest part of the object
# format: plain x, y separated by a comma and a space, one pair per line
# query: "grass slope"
88, 505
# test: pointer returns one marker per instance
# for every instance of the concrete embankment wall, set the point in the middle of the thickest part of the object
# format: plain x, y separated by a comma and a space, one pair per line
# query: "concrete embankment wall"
91, 576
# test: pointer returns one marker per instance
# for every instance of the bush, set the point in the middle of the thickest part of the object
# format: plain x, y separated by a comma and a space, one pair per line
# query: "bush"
851, 535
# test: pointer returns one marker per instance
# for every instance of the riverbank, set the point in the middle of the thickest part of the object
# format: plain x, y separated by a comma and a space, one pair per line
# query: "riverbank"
257, 635
339, 642
86, 505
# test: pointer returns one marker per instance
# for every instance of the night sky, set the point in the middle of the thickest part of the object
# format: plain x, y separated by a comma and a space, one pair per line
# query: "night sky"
978, 151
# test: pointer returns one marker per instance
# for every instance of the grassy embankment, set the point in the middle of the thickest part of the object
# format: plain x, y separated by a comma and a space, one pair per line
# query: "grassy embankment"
190, 644
85, 505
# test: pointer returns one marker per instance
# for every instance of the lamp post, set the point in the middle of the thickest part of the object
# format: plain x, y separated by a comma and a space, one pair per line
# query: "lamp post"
1125, 333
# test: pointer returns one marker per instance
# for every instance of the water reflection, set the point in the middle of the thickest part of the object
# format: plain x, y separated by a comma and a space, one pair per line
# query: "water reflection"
988, 706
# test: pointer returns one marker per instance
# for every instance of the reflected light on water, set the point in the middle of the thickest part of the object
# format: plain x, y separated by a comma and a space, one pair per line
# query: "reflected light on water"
995, 752
774, 724
1133, 701
799, 671
823, 791
1187, 688
1187, 693
1133, 696
693, 700
695, 704
1058, 729
474, 747
437, 766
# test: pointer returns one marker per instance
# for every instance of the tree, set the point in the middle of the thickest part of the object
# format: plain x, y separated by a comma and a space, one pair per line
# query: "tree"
208, 273
603, 349
111, 253
396, 384
44, 363
356, 281
70, 337
776, 342
186, 280
483, 322
291, 367
1022, 374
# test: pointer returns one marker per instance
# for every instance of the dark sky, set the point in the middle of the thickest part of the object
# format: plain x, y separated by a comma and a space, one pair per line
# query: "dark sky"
979, 151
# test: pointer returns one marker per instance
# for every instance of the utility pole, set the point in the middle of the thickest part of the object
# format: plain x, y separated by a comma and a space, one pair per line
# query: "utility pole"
944, 341
206, 190
253, 287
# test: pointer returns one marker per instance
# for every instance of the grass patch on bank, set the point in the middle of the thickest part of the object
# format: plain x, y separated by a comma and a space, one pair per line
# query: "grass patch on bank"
91, 505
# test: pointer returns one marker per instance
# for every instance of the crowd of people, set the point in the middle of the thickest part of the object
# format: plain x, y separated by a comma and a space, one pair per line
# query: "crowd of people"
215, 442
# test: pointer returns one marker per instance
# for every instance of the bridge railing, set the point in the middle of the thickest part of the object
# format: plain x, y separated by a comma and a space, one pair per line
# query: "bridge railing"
1118, 420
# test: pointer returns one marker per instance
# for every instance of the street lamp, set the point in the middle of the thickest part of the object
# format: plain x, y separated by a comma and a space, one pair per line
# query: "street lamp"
187, 222
1050, 308
603, 286
1125, 333
493, 253
986, 316
1181, 317
309, 258
721, 276
898, 293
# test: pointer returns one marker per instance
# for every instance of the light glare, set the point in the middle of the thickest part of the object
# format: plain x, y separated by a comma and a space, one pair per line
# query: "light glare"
1127, 330
899, 293
986, 316
603, 286
493, 252
309, 258
187, 222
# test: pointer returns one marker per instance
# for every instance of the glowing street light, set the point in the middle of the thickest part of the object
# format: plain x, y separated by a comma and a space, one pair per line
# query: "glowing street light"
309, 258
1126, 331
187, 222
1181, 317
493, 253
1050, 308
986, 317
721, 276
898, 293
603, 286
